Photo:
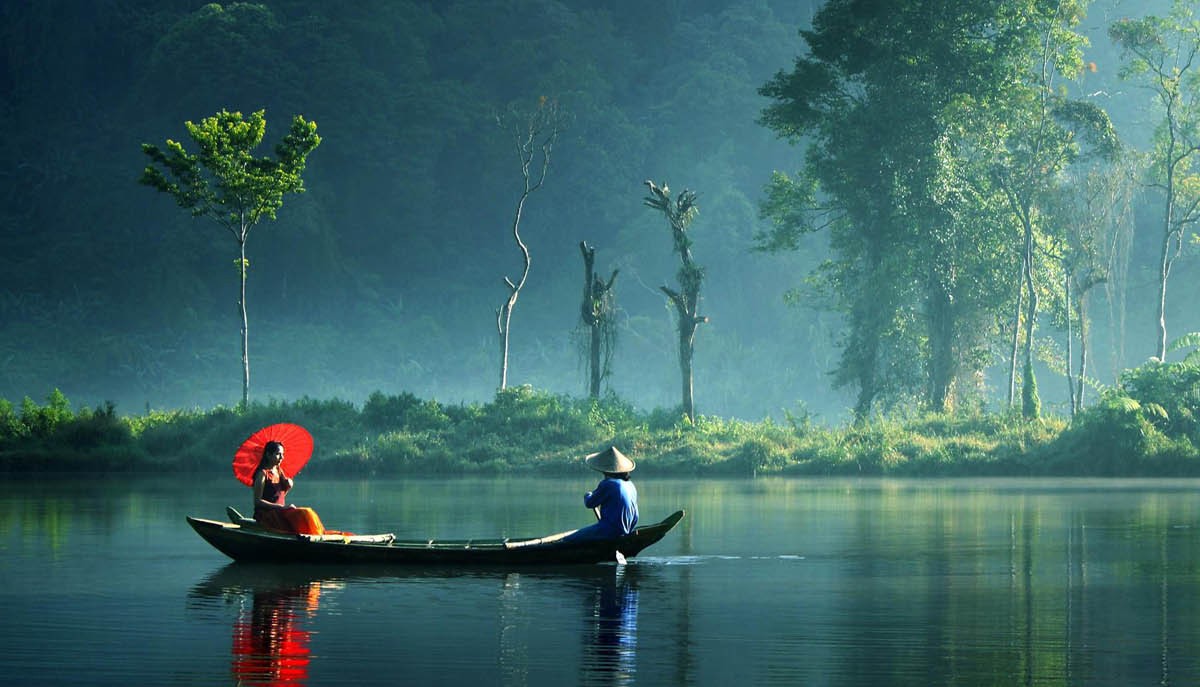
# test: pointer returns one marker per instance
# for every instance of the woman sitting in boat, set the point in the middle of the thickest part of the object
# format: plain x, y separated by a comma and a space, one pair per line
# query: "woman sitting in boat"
614, 499
271, 486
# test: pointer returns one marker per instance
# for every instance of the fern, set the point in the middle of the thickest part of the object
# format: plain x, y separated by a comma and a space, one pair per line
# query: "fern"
1189, 340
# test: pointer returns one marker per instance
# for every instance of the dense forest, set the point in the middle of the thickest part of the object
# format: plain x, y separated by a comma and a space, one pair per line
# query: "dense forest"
924, 203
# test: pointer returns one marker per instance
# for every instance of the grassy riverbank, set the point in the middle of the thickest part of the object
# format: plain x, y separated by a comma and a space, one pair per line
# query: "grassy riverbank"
1146, 426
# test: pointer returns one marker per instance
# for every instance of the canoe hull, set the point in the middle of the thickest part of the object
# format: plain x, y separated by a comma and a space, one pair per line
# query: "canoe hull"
256, 545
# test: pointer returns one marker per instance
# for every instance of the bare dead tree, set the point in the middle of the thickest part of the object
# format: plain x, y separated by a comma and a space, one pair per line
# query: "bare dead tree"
686, 300
597, 312
534, 133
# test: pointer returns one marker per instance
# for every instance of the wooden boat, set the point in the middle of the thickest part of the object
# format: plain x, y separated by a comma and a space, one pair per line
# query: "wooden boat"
243, 540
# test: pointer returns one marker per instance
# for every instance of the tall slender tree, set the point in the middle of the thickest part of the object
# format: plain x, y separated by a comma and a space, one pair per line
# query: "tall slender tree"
226, 183
679, 213
1164, 54
534, 133
1093, 207
1035, 147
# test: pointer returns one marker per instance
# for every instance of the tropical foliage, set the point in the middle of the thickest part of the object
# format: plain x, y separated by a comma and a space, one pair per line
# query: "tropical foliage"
959, 240
935, 183
1148, 425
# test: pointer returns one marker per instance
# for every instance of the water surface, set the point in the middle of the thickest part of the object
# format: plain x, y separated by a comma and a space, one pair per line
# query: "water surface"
766, 582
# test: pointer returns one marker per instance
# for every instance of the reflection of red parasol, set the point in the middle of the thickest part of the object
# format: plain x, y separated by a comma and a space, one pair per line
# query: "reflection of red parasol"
270, 643
297, 448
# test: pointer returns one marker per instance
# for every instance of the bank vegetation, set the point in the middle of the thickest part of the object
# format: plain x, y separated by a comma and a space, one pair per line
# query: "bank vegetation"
1147, 425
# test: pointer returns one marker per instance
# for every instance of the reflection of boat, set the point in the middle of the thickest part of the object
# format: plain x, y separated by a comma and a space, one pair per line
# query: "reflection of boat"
242, 541
236, 580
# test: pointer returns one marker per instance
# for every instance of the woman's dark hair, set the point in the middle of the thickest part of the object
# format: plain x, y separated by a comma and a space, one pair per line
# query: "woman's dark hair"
269, 450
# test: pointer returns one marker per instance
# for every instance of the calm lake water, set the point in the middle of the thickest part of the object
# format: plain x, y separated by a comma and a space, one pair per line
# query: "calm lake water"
766, 582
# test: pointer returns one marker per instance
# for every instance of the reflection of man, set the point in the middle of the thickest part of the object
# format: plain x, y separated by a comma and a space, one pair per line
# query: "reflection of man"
271, 646
611, 652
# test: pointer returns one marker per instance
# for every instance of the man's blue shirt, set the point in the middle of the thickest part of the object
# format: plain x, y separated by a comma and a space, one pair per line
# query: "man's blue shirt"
617, 499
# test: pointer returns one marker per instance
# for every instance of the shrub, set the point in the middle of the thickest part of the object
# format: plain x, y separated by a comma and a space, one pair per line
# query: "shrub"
1169, 394
1104, 439
382, 412
41, 422
11, 427
92, 429
428, 416
757, 455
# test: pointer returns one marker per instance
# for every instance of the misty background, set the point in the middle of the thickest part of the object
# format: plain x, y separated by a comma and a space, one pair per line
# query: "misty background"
387, 274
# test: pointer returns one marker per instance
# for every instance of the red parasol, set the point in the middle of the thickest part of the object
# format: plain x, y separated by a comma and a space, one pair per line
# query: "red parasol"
297, 448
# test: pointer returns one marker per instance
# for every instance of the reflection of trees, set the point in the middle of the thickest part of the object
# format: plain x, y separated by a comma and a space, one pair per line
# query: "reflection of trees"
938, 586
685, 660
52, 510
270, 642
514, 650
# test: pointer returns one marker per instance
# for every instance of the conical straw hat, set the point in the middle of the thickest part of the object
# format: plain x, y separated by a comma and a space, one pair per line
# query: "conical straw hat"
610, 460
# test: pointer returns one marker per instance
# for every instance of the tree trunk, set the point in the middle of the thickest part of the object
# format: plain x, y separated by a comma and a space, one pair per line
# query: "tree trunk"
690, 276
686, 305
1070, 341
865, 358
531, 132
1164, 271
594, 363
503, 319
596, 312
242, 265
866, 398
504, 314
590, 317
686, 351
867, 326
1083, 349
1165, 259
941, 347
1016, 339
1031, 406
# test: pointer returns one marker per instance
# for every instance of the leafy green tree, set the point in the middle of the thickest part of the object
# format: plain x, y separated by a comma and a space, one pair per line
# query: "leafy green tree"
1163, 53
226, 183
1018, 139
873, 103
11, 426
686, 299
1039, 144
45, 420
209, 43
826, 102
1093, 206
920, 163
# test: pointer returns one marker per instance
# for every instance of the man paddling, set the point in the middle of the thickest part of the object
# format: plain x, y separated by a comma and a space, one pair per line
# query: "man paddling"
614, 499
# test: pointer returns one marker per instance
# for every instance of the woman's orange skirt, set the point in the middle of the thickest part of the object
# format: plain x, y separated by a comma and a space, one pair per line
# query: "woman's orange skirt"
291, 520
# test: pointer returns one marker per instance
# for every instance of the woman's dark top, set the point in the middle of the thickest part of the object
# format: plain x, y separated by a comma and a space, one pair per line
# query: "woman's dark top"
273, 490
